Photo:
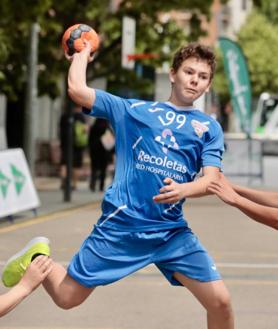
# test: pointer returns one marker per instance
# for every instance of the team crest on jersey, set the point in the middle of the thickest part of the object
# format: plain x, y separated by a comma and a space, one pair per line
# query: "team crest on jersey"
167, 140
200, 127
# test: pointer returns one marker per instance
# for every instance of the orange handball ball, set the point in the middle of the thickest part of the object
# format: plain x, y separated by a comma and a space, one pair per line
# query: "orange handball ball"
74, 36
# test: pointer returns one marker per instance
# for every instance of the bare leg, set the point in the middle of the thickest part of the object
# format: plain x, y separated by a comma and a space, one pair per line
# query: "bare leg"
75, 178
215, 298
65, 292
63, 174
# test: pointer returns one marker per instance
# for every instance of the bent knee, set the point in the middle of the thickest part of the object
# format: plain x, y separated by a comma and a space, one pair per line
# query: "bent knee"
67, 303
221, 304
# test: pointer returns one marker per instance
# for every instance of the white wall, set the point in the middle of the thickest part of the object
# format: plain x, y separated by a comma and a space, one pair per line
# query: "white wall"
237, 15
162, 87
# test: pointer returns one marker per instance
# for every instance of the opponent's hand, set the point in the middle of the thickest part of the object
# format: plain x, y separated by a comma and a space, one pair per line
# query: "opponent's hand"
223, 189
36, 272
86, 51
170, 193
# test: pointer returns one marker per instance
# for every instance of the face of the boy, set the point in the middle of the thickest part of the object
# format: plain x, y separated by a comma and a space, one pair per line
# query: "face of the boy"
190, 81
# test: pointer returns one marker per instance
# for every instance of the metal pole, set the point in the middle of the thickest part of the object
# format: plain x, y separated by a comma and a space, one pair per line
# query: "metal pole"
69, 153
31, 97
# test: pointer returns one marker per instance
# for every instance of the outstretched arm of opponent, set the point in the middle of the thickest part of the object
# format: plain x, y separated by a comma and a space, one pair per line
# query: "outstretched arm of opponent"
251, 202
265, 198
173, 192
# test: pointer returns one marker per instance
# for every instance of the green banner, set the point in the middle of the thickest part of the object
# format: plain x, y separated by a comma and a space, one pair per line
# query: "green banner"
19, 178
239, 82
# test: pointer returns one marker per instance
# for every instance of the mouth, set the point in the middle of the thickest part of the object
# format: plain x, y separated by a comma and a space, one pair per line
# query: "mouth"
190, 90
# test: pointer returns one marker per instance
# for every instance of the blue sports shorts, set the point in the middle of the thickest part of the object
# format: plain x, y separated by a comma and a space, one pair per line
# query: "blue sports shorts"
109, 255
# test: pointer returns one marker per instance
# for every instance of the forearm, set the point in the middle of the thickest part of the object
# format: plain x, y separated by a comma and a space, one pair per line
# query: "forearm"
78, 90
262, 214
173, 192
197, 188
13, 297
265, 198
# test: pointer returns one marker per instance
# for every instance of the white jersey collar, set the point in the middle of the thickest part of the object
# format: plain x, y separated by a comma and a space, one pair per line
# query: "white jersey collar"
181, 108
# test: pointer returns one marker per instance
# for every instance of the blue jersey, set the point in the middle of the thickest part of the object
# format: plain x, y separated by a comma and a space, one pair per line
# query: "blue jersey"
154, 140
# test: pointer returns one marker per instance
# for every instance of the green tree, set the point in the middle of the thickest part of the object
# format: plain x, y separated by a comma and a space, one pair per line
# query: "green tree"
269, 8
54, 17
220, 81
259, 41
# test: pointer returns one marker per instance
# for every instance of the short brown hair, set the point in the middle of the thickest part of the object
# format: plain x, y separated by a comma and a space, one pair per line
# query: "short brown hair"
198, 51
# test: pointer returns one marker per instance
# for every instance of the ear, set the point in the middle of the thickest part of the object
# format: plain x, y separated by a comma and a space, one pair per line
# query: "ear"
172, 75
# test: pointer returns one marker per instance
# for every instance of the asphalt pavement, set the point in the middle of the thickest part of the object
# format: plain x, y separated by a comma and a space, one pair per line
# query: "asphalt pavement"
245, 253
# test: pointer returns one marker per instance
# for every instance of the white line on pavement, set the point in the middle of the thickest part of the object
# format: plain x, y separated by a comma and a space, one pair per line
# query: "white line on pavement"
223, 265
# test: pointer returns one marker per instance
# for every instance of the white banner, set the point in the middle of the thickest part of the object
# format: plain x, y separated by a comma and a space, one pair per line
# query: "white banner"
128, 41
17, 191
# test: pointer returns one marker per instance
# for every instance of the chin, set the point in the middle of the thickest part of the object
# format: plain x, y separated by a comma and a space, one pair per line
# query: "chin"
188, 100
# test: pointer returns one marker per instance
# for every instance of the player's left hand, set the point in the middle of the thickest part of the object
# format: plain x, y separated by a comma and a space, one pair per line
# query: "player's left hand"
170, 193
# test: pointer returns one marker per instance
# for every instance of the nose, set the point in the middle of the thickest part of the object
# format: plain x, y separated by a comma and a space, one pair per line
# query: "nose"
194, 79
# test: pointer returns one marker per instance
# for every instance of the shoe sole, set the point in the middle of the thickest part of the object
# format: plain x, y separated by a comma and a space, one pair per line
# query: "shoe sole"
32, 242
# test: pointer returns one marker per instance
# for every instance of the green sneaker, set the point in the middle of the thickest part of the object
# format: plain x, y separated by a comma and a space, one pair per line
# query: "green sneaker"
17, 264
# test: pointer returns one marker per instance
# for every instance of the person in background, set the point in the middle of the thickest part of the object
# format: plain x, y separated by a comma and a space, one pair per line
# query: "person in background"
80, 142
100, 154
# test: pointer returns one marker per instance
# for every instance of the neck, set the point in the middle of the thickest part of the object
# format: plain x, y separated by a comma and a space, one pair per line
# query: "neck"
177, 102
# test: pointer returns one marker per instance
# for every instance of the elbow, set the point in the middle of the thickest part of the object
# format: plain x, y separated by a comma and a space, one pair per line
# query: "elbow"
275, 224
272, 222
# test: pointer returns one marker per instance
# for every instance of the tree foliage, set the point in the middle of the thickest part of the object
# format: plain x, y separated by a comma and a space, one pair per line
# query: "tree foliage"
269, 8
220, 81
259, 41
153, 35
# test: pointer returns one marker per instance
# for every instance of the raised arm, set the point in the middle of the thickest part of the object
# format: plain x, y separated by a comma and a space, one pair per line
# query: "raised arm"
78, 90
173, 192
263, 214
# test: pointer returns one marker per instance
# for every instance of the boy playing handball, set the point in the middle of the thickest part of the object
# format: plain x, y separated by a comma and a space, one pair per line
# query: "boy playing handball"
160, 147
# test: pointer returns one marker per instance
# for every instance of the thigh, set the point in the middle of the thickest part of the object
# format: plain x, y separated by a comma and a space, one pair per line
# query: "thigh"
107, 256
186, 255
209, 294
74, 291
65, 291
